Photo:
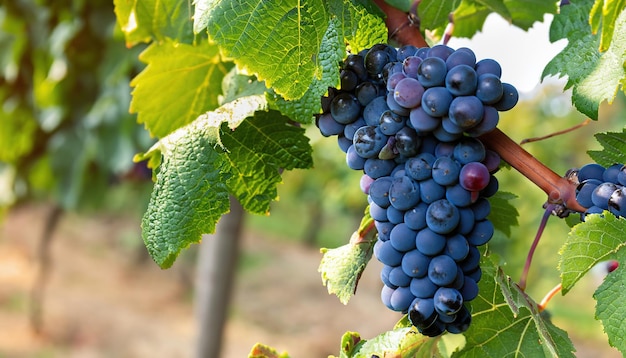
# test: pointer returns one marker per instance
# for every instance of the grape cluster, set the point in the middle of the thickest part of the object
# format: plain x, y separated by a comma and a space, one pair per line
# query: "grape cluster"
409, 118
602, 189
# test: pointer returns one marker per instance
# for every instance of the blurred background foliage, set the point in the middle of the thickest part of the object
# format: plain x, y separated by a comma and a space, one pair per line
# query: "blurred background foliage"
66, 137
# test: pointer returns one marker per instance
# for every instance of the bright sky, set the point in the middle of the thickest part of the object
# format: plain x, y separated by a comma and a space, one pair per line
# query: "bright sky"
522, 55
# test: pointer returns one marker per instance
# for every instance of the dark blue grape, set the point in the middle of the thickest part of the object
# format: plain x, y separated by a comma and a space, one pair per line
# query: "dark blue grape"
610, 174
489, 88
394, 215
373, 111
397, 277
590, 171
461, 323
466, 111
390, 69
378, 213
377, 168
406, 51
365, 183
509, 98
446, 171
490, 120
429, 242
436, 101
444, 150
422, 313
384, 276
385, 296
408, 92
410, 66
470, 263
450, 127
422, 287
344, 143
443, 135
328, 125
422, 121
404, 193
457, 247
442, 270
617, 202
442, 217
354, 160
462, 56
488, 66
448, 301
432, 72
351, 128
585, 190
621, 176
475, 274
366, 92
349, 80
431, 191
345, 108
393, 80
368, 141
492, 188
379, 191
458, 196
461, 80
469, 150
469, 291
383, 229
481, 234
391, 123
601, 194
466, 221
420, 167
375, 60
386, 254
440, 51
356, 64
481, 209
407, 142
415, 218
422, 52
402, 238
395, 107
415, 264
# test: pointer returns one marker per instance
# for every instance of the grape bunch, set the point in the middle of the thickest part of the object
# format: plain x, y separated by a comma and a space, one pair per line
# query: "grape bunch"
602, 189
410, 119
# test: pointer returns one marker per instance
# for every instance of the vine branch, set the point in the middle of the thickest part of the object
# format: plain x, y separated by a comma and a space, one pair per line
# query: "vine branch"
402, 26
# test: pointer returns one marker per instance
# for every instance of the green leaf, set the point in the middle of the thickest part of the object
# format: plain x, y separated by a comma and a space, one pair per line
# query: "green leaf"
361, 23
594, 77
506, 323
604, 13
469, 18
400, 342
220, 153
147, 20
277, 41
404, 5
597, 239
262, 351
611, 304
433, 14
341, 268
180, 83
503, 214
524, 13
614, 148
303, 109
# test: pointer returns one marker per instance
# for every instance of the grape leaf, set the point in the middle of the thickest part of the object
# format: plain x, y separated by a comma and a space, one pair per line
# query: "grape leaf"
524, 13
614, 148
503, 215
404, 5
611, 304
220, 153
361, 23
400, 342
597, 239
341, 268
506, 322
147, 20
469, 18
595, 77
262, 351
277, 41
604, 13
433, 14
180, 83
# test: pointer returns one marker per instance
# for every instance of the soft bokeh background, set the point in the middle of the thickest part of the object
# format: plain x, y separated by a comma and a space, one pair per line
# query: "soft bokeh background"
105, 298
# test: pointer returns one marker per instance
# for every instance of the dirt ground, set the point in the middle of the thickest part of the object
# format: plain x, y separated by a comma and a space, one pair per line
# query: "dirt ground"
101, 301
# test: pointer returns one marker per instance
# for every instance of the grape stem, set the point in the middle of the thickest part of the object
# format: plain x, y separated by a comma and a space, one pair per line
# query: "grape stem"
531, 252
402, 26
546, 299
559, 189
